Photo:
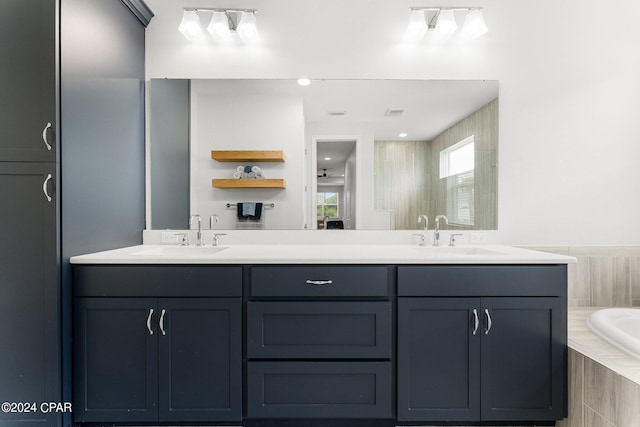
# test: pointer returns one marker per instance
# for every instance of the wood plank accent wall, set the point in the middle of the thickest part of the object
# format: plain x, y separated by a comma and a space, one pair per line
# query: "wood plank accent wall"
406, 173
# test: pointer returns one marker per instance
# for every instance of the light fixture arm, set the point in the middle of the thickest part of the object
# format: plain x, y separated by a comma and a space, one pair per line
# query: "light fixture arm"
440, 20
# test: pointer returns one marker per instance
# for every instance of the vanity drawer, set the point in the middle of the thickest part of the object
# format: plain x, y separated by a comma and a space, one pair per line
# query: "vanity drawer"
314, 390
319, 330
157, 281
482, 280
320, 281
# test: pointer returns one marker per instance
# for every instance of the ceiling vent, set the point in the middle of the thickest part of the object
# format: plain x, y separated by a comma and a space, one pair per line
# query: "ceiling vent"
394, 112
336, 113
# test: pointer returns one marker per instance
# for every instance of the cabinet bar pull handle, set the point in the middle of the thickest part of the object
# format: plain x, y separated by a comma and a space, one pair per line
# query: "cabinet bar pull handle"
319, 282
44, 135
162, 322
488, 321
149, 321
44, 187
476, 321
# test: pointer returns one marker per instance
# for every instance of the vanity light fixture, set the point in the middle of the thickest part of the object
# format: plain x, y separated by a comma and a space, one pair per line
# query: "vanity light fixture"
223, 25
247, 27
439, 23
474, 25
190, 26
446, 24
417, 25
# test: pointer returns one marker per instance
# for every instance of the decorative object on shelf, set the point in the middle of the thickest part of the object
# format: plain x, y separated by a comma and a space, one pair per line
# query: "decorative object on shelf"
225, 26
244, 176
439, 23
248, 172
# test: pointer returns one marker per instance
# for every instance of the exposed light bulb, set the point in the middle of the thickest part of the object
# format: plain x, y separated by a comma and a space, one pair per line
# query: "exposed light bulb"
190, 26
474, 25
219, 26
247, 27
417, 26
446, 24
304, 81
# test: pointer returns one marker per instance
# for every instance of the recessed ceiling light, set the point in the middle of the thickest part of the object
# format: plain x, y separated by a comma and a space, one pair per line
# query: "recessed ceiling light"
327, 158
402, 135
304, 81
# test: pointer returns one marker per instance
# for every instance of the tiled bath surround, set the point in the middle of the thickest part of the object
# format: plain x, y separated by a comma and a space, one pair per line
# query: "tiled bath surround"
604, 384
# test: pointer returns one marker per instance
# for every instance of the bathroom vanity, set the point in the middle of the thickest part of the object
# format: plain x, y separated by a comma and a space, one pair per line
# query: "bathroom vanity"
253, 335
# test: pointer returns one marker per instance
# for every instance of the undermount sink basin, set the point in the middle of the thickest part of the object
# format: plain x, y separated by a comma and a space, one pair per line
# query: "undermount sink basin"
454, 251
180, 251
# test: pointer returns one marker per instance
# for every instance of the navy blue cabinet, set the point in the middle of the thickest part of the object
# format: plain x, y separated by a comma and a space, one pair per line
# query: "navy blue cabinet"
49, 79
149, 358
28, 290
482, 358
28, 81
319, 344
115, 360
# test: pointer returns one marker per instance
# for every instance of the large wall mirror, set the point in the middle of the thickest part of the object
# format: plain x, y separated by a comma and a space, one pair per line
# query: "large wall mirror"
358, 154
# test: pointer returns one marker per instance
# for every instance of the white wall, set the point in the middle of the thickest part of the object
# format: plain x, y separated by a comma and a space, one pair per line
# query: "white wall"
222, 121
569, 93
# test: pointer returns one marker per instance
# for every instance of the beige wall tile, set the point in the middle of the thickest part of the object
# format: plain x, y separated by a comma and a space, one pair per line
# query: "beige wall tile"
628, 413
634, 277
601, 281
593, 419
600, 391
576, 391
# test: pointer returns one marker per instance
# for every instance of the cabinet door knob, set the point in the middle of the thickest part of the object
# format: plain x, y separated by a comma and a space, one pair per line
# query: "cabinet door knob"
489, 323
44, 136
149, 321
44, 187
162, 322
476, 321
319, 282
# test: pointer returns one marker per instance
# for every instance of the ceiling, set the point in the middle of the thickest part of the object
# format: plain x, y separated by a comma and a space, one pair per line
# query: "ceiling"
430, 106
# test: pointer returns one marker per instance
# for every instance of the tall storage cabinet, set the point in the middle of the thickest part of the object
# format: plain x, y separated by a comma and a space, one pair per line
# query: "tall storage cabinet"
60, 101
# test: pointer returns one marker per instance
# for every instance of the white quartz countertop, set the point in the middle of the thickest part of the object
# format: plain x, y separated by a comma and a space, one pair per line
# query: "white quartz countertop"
321, 254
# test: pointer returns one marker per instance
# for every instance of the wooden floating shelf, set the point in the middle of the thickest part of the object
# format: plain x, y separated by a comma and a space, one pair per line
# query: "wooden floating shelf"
249, 183
248, 155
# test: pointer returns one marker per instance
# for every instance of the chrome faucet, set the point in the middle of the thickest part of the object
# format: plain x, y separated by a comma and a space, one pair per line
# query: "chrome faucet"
199, 233
426, 221
426, 225
213, 218
436, 233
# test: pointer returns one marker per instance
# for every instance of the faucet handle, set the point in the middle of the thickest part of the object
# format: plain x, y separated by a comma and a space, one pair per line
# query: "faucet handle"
185, 239
452, 238
216, 238
421, 238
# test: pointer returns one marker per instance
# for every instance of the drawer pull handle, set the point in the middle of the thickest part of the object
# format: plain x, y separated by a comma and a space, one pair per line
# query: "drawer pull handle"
162, 322
488, 321
319, 282
44, 136
149, 321
476, 321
